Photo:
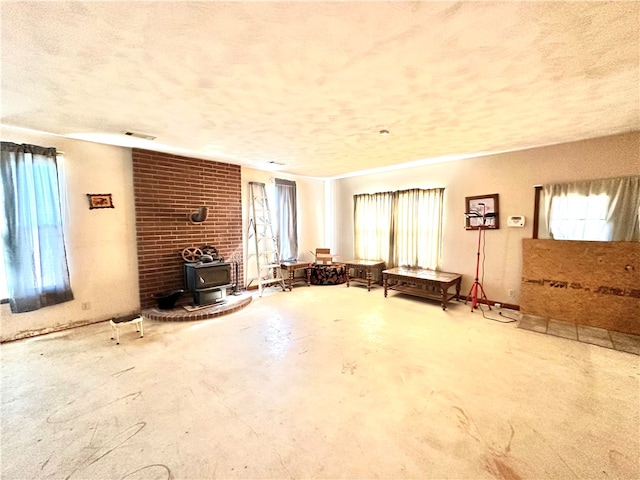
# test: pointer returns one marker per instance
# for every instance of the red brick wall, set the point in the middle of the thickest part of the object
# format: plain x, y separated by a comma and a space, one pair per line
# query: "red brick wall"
168, 188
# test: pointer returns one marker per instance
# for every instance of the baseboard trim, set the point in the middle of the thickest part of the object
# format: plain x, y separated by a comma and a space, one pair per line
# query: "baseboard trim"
47, 330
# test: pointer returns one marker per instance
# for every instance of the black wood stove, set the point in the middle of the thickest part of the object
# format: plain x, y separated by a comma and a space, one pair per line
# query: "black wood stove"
208, 281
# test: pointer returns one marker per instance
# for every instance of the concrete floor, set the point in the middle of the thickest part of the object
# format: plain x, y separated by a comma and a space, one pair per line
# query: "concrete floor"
320, 382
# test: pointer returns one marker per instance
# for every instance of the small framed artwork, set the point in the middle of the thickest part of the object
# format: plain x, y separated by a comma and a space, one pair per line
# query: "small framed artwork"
99, 200
482, 211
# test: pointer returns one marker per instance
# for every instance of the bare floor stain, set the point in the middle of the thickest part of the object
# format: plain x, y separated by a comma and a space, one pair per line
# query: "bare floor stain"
156, 471
349, 367
498, 468
108, 446
74, 409
621, 463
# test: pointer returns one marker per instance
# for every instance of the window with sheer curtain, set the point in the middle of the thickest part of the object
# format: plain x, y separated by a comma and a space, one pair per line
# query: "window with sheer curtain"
372, 220
597, 210
286, 220
35, 264
402, 228
4, 289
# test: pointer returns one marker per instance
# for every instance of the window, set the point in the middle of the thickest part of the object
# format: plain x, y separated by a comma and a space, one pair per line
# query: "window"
35, 266
4, 290
286, 220
419, 228
597, 210
580, 217
401, 228
372, 220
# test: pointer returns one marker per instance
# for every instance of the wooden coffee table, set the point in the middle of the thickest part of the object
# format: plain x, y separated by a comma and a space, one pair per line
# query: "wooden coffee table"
422, 282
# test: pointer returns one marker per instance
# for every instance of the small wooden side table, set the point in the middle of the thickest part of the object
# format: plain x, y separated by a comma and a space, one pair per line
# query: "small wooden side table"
291, 267
362, 270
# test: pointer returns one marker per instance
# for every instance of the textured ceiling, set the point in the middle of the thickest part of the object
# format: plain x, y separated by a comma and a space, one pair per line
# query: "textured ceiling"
310, 84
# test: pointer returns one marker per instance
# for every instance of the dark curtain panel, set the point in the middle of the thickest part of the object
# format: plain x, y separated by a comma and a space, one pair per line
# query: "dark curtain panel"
32, 233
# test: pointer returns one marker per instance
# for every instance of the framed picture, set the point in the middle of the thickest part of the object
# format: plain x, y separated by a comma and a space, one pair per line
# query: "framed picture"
100, 200
482, 210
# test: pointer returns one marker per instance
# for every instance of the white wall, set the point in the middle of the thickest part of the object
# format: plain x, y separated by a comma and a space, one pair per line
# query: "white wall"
311, 212
101, 243
512, 176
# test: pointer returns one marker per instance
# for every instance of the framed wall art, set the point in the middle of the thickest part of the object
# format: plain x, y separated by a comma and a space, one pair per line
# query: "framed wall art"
100, 200
482, 210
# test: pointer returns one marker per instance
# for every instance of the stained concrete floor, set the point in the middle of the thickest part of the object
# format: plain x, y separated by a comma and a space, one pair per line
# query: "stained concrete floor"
320, 382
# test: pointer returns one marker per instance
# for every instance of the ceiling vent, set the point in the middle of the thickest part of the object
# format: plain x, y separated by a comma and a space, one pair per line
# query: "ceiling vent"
140, 135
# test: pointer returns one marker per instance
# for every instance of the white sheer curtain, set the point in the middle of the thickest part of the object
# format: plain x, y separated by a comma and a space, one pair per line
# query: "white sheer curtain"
287, 220
401, 228
372, 220
32, 232
418, 228
600, 210
4, 288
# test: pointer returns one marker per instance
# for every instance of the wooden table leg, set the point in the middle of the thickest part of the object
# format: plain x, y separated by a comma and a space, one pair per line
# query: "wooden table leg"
291, 274
385, 281
368, 279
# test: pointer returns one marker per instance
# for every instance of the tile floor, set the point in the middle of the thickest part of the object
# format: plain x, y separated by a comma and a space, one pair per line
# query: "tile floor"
623, 342
321, 382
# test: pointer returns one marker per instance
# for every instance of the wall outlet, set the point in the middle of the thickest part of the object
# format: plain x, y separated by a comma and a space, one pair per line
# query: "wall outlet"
512, 293
497, 305
86, 305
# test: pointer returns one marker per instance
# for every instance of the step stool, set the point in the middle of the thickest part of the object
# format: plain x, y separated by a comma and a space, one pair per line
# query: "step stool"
135, 319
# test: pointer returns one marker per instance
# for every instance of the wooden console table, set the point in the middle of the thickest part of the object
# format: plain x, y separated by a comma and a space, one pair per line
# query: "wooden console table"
291, 267
422, 282
365, 267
